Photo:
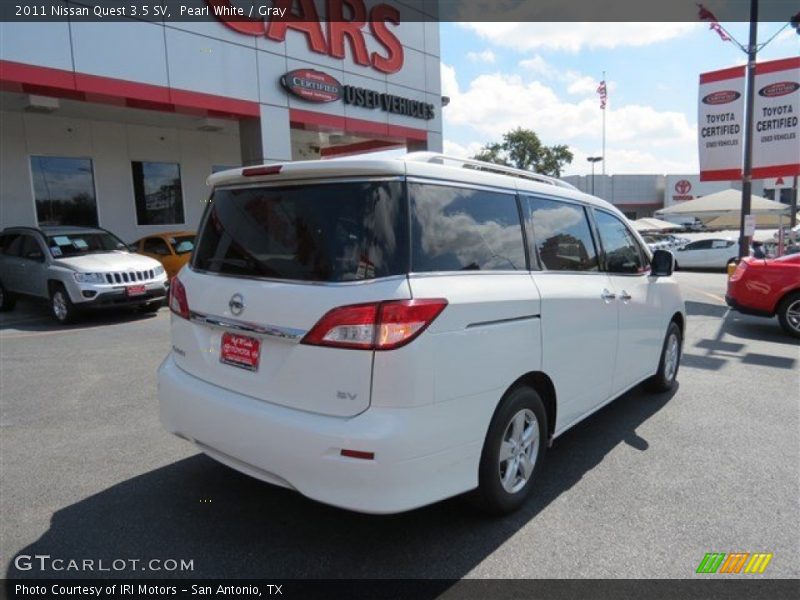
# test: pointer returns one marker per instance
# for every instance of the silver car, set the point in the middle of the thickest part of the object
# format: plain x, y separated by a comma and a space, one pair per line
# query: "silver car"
76, 268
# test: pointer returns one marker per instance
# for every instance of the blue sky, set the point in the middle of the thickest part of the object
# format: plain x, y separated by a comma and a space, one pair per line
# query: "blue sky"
544, 75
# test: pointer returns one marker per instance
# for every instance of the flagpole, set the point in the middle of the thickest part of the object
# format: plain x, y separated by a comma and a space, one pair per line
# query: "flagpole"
604, 130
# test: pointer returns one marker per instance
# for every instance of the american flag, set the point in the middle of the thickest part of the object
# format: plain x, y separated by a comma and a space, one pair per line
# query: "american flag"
603, 92
706, 15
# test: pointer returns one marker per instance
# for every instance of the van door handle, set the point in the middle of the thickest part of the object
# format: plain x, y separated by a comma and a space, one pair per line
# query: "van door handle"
607, 296
625, 296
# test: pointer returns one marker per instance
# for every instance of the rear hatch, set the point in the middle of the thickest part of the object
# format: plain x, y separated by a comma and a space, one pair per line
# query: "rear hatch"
270, 261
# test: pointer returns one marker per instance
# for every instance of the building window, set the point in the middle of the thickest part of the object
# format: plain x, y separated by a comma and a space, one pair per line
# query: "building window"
157, 190
64, 191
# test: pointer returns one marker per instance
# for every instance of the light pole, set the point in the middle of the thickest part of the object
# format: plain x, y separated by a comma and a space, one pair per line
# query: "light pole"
593, 159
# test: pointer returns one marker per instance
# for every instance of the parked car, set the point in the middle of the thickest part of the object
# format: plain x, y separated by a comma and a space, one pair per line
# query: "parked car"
655, 243
674, 241
766, 288
172, 249
76, 268
383, 334
708, 254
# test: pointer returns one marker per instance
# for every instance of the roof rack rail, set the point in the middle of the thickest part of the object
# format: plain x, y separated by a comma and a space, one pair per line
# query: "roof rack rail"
479, 165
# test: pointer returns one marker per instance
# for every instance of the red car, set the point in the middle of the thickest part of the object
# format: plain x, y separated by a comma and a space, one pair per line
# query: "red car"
768, 287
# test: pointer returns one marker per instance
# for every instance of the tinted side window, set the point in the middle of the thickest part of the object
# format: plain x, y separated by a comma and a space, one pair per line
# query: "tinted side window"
561, 235
31, 249
460, 229
622, 251
6, 241
14, 245
156, 246
700, 245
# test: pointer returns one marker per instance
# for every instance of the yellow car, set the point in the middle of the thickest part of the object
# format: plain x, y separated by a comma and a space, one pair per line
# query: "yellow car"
172, 249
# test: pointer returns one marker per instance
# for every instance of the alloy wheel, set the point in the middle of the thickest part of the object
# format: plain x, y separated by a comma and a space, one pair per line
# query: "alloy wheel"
671, 357
60, 306
793, 315
519, 449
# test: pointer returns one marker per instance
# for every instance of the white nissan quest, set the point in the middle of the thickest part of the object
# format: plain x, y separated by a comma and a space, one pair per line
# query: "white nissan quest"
383, 334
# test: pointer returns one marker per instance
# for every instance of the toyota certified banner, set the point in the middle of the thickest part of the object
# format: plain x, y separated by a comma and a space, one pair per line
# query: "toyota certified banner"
776, 134
720, 122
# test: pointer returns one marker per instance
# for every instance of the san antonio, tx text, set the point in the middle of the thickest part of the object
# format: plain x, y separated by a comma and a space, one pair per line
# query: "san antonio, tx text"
125, 589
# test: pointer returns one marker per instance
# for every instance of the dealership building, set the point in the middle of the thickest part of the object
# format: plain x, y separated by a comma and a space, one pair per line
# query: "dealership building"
640, 196
118, 124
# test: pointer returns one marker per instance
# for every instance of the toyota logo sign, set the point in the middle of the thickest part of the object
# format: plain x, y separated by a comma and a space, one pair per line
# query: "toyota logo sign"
683, 187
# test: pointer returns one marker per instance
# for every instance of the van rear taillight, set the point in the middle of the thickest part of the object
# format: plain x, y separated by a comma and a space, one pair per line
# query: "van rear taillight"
375, 326
178, 303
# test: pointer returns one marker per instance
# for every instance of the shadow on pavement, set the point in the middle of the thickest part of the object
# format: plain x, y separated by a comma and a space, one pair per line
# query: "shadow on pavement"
233, 526
34, 315
705, 309
730, 342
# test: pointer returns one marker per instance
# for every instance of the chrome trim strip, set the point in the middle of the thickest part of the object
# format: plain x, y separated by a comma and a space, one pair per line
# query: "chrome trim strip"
288, 334
398, 277
502, 321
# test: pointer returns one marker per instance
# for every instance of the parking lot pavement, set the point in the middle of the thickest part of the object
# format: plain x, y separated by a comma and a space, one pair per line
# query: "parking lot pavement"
644, 488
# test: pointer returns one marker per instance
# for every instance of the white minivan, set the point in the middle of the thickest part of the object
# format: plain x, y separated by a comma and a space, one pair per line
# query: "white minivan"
383, 334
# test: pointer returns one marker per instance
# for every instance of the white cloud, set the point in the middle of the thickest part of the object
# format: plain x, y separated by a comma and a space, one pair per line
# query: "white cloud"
640, 136
573, 37
583, 85
536, 64
457, 150
487, 56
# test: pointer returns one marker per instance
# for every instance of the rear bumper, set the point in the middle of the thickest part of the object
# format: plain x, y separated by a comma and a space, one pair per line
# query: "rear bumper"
301, 450
738, 307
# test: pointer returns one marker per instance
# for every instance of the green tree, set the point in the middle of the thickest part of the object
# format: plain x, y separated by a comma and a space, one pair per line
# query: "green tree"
522, 148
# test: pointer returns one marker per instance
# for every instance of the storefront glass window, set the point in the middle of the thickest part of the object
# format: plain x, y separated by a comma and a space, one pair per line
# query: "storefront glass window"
64, 191
157, 190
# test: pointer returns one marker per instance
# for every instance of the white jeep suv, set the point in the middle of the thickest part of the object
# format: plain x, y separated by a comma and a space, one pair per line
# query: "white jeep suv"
382, 334
76, 268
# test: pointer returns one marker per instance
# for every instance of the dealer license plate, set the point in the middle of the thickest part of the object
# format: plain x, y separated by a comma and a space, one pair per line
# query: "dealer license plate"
136, 290
240, 351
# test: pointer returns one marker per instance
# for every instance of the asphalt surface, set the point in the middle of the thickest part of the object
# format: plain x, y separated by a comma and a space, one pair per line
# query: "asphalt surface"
644, 488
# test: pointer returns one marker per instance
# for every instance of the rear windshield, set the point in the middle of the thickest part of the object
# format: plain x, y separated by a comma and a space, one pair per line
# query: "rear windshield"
324, 232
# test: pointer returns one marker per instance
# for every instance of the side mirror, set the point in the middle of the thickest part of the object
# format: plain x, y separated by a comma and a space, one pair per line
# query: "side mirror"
663, 263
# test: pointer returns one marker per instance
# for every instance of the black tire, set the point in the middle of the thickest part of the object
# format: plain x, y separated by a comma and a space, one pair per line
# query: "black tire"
7, 299
491, 495
665, 378
792, 301
61, 307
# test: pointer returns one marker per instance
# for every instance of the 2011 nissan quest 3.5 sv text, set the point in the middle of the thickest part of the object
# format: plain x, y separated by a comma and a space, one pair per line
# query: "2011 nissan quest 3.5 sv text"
383, 334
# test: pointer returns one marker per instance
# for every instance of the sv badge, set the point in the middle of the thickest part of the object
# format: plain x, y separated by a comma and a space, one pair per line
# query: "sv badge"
346, 396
